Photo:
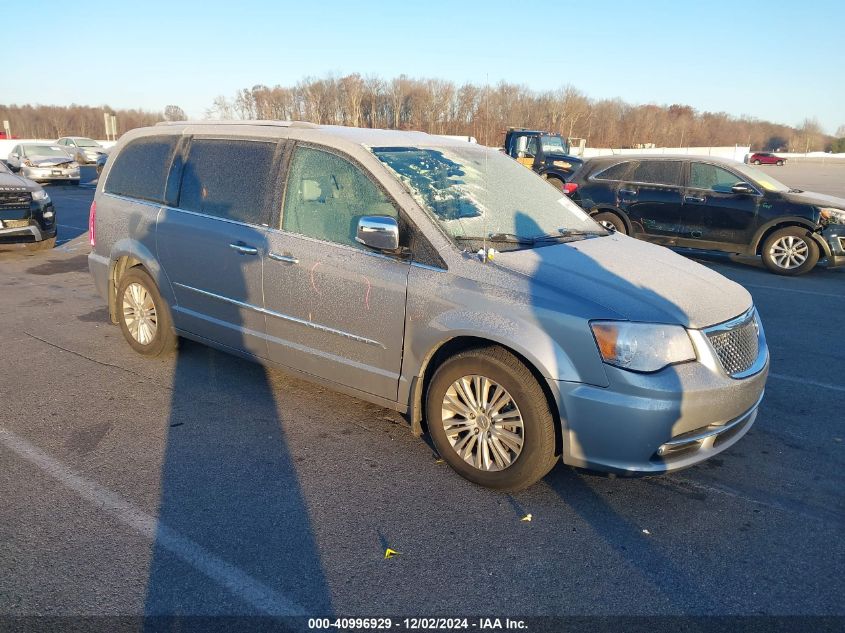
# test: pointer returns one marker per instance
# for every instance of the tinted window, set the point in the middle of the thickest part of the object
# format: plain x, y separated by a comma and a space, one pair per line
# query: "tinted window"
230, 179
620, 171
326, 195
140, 169
706, 176
659, 172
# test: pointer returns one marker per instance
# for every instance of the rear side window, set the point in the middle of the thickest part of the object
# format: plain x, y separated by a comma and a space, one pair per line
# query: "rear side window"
620, 171
230, 179
658, 172
140, 169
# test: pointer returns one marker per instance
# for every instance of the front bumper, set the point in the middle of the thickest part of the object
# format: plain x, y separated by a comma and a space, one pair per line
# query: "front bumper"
659, 422
44, 174
28, 225
834, 236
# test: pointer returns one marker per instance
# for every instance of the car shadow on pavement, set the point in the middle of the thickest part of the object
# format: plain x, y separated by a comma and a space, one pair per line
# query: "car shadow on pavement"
229, 486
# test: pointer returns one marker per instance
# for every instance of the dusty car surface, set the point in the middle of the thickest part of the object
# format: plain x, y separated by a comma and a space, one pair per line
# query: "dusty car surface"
435, 277
27, 215
713, 204
43, 162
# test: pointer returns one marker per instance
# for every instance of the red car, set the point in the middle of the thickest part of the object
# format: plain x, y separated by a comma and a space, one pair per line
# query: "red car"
765, 158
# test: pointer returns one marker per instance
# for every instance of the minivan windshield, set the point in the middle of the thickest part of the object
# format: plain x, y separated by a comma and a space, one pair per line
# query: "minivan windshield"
476, 192
762, 178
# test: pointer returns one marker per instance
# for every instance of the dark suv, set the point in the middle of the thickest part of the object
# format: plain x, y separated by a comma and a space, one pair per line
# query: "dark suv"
713, 204
26, 212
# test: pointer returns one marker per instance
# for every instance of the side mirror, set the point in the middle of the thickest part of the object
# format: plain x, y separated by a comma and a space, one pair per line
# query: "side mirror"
742, 188
378, 231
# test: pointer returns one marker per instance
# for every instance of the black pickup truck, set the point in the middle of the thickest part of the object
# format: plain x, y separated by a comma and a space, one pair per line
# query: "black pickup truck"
27, 215
546, 153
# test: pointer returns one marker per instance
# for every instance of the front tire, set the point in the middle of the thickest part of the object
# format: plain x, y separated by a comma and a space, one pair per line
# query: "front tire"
143, 315
490, 420
780, 163
790, 251
756, 162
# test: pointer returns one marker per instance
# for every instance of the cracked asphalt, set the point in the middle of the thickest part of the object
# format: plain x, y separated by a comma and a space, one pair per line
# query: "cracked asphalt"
204, 484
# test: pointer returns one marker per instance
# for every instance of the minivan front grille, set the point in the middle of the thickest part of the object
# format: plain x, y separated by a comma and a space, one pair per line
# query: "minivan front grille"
15, 199
737, 344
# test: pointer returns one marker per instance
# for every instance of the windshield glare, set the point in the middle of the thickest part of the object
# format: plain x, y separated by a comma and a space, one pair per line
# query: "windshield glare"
475, 192
758, 176
43, 150
86, 142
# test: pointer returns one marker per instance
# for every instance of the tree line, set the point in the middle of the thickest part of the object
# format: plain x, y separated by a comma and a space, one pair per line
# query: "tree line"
443, 107
48, 122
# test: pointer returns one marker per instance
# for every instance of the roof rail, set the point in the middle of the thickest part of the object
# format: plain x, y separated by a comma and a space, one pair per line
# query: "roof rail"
262, 123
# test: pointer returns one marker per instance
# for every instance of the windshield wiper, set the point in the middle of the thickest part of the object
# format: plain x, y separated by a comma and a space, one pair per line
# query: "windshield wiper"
564, 234
507, 238
796, 191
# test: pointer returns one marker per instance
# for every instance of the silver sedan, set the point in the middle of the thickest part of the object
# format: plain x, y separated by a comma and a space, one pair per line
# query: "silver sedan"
43, 162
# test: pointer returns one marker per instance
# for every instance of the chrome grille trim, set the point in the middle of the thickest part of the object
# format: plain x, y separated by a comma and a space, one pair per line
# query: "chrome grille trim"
737, 344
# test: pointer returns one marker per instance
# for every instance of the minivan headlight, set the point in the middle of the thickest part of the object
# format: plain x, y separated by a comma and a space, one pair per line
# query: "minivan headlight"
40, 196
642, 346
832, 216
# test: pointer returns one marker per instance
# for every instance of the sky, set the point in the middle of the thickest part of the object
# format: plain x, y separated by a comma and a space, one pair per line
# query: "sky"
769, 59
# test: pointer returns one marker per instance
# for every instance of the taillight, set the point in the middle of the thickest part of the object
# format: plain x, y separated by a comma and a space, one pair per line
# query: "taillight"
92, 229
569, 187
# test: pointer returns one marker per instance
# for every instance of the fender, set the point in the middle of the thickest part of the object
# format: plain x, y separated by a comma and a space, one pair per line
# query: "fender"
137, 254
756, 241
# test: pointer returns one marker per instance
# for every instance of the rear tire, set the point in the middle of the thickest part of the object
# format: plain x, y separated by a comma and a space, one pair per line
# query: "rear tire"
609, 219
43, 245
503, 426
790, 251
143, 315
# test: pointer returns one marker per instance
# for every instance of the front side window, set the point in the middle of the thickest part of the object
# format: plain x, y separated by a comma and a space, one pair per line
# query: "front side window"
230, 179
476, 193
326, 195
140, 169
712, 177
658, 172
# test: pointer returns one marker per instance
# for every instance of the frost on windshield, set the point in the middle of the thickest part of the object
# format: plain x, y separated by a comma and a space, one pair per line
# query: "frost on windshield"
437, 182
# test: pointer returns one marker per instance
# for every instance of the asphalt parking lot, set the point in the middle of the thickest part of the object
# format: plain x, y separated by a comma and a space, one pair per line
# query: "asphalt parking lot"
204, 484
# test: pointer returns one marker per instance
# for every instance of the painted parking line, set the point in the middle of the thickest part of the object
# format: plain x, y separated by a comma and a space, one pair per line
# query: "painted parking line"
235, 580
803, 292
68, 226
805, 381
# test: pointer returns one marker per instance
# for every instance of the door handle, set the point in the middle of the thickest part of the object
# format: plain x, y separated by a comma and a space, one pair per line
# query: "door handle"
244, 249
628, 192
694, 199
288, 259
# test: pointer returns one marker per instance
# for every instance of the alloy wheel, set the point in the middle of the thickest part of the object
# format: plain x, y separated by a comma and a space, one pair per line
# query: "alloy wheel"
483, 423
139, 313
789, 252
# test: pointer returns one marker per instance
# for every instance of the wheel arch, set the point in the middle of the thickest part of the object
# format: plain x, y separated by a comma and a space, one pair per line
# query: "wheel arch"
614, 210
781, 223
128, 254
461, 343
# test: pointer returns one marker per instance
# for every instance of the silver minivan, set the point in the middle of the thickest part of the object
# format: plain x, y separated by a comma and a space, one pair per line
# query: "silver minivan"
432, 276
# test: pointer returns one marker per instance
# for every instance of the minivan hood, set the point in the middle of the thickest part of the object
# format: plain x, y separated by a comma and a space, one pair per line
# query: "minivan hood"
816, 199
636, 280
